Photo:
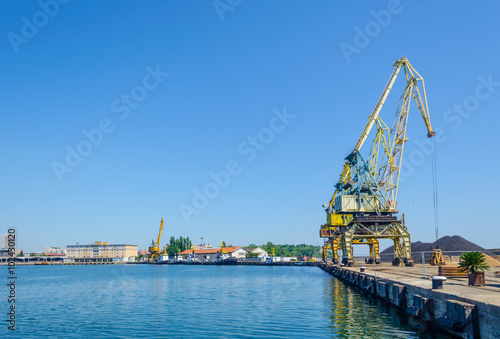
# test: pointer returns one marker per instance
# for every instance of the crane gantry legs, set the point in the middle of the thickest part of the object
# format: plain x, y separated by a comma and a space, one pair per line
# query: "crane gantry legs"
370, 232
338, 242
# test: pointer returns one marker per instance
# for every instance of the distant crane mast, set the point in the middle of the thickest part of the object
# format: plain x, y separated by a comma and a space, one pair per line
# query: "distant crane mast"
220, 254
154, 249
363, 205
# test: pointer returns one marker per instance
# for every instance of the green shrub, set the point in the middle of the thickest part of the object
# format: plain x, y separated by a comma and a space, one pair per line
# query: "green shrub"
473, 262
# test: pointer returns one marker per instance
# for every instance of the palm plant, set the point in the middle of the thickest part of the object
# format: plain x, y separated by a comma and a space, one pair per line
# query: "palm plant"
473, 262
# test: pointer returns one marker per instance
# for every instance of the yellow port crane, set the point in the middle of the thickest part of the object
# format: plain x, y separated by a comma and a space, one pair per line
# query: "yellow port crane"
154, 249
363, 207
222, 251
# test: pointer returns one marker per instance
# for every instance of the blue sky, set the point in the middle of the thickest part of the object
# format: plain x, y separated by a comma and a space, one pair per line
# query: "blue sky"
171, 91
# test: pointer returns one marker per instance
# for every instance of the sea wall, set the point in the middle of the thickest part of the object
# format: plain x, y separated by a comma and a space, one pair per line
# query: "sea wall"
461, 317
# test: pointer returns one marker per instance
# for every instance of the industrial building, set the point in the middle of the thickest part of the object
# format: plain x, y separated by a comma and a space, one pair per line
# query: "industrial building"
5, 241
101, 252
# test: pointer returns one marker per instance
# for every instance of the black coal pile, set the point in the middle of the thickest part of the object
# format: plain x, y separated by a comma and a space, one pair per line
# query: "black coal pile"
450, 245
446, 243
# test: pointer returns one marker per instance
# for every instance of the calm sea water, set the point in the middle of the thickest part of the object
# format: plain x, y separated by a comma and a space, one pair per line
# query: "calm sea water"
161, 301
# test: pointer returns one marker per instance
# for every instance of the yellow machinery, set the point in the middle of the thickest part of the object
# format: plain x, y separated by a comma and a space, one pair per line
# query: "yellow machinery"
363, 207
437, 258
193, 255
222, 250
154, 249
272, 254
333, 244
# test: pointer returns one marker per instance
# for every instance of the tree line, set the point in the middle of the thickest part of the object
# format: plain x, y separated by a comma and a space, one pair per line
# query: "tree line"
178, 245
301, 250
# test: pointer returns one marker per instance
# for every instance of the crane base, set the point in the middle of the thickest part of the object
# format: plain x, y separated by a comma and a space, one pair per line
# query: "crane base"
348, 262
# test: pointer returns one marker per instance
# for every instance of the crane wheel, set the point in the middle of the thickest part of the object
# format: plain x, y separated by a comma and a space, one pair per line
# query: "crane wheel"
409, 263
396, 262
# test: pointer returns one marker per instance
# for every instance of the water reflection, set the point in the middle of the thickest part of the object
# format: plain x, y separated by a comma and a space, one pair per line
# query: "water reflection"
358, 314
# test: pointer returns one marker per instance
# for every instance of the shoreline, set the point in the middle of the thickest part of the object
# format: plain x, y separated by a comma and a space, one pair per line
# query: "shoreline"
244, 263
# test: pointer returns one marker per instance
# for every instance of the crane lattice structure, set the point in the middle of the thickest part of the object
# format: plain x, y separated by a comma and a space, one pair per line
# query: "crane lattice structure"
363, 208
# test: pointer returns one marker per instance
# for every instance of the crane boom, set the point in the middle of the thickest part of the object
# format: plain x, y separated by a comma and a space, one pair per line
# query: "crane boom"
159, 234
380, 103
421, 100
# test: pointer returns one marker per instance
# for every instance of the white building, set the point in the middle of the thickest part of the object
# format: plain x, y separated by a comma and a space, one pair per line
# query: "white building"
102, 251
238, 252
202, 246
49, 250
5, 242
211, 253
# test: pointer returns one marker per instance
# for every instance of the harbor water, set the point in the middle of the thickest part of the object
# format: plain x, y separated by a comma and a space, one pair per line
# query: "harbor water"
188, 301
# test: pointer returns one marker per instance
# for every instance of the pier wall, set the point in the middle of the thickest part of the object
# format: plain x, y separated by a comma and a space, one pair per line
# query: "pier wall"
461, 317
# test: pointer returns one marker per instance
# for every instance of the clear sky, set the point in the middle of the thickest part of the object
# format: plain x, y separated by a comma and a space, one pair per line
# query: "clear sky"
117, 113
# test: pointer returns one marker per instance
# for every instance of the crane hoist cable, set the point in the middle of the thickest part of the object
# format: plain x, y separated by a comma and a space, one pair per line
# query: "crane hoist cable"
435, 190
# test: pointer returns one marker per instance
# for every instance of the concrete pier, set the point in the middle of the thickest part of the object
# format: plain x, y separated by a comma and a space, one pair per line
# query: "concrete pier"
462, 310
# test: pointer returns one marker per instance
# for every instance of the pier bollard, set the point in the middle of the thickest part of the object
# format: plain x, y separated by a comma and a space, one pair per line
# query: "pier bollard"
437, 282
362, 269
